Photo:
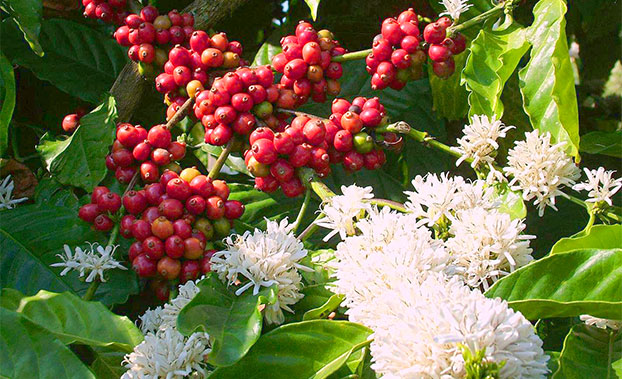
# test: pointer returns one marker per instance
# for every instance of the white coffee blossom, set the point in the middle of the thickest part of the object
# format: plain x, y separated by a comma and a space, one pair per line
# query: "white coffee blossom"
540, 169
486, 245
168, 354
420, 325
165, 352
341, 211
390, 250
600, 184
441, 196
92, 261
6, 194
601, 323
434, 197
262, 259
480, 140
454, 8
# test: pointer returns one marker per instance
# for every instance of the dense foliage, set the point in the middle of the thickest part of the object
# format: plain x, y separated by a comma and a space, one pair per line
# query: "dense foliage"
310, 189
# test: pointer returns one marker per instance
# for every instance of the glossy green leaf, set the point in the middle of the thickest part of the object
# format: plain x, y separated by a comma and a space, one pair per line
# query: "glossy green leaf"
617, 367
599, 237
29, 351
79, 160
323, 311
79, 60
265, 53
7, 101
449, 96
511, 202
589, 352
27, 15
313, 6
493, 56
547, 81
107, 364
606, 143
74, 320
308, 349
30, 238
233, 322
587, 281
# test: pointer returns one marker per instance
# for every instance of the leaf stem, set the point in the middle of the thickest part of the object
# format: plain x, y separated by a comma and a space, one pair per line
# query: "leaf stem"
494, 12
355, 55
309, 230
303, 210
180, 114
222, 158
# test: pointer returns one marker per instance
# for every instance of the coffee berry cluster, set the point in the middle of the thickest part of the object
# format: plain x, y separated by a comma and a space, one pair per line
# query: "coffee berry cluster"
316, 143
441, 48
109, 11
306, 64
150, 152
397, 56
236, 103
148, 34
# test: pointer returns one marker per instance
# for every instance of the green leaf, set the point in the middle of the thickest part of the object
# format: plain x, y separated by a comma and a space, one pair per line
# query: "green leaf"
79, 60
511, 202
7, 101
617, 367
205, 150
233, 322
74, 320
322, 312
10, 298
107, 364
448, 95
493, 56
547, 81
79, 160
27, 15
30, 238
599, 237
265, 53
588, 353
308, 349
313, 6
29, 351
587, 281
606, 143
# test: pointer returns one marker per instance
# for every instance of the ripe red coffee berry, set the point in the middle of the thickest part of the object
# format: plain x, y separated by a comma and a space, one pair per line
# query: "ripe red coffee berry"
190, 270
293, 187
144, 266
161, 157
201, 185
98, 191
234, 209
195, 205
159, 136
162, 228
438, 53
193, 248
391, 32
300, 156
182, 228
400, 58
70, 122
434, 33
109, 202
174, 246
134, 202
171, 208
371, 117
141, 229
125, 226
295, 69
282, 170
135, 250
353, 160
351, 122
221, 189
153, 248
220, 135
103, 223
149, 172
88, 212
283, 143
142, 151
178, 189
267, 184
314, 132
264, 151
167, 176
215, 208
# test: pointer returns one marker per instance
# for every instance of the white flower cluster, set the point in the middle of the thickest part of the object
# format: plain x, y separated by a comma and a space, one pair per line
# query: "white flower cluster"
409, 287
341, 211
600, 185
92, 261
480, 140
165, 352
454, 8
264, 259
6, 194
540, 169
602, 323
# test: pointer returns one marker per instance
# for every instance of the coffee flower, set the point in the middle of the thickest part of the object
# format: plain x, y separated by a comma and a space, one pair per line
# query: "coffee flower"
600, 184
91, 262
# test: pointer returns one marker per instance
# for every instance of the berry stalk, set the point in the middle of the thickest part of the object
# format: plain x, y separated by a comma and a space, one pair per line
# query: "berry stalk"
355, 55
309, 230
494, 12
180, 114
222, 158
303, 210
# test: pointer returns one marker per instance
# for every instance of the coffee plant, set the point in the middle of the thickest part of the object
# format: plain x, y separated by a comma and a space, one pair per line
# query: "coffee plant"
310, 189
